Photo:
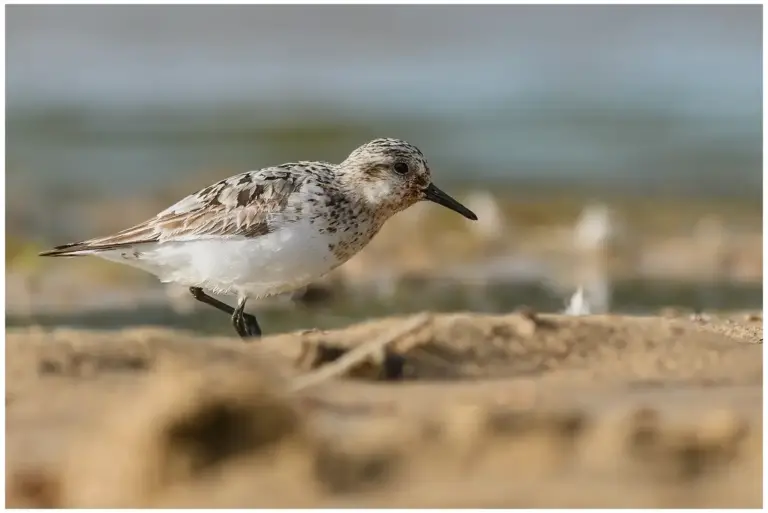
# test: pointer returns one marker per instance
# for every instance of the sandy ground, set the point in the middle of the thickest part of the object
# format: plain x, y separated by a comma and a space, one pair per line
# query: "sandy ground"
462, 410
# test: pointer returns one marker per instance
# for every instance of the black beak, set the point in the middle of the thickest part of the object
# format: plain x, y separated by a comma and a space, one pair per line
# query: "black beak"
434, 194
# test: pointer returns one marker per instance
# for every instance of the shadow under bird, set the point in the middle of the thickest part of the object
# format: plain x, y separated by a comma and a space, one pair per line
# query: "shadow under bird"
275, 230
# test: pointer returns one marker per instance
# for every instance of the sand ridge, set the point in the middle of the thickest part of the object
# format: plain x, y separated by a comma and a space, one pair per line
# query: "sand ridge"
460, 410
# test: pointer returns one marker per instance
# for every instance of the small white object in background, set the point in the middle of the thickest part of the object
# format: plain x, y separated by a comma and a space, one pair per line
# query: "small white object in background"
589, 299
594, 232
595, 227
491, 224
578, 304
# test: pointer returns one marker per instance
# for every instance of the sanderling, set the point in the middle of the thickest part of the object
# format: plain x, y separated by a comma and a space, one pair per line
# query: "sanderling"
271, 231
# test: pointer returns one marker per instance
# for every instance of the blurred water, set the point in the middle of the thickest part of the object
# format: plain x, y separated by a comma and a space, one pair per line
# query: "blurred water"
130, 98
643, 297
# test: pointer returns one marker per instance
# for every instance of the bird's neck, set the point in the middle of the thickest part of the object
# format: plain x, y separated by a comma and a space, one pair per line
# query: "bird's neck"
374, 196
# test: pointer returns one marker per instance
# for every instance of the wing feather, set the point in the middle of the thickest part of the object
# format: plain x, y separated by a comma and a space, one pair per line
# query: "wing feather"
246, 205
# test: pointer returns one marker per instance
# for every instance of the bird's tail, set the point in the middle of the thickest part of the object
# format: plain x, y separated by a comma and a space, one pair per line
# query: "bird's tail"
132, 236
74, 249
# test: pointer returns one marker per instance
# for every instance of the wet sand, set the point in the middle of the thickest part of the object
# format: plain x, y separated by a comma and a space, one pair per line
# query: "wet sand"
463, 410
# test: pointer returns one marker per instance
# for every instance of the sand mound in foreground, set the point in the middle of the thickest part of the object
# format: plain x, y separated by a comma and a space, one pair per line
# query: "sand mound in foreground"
456, 410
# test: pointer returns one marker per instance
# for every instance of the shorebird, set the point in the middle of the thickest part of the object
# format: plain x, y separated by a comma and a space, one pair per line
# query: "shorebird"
274, 230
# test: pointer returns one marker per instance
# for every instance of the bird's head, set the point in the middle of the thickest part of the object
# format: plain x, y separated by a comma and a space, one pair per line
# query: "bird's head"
392, 175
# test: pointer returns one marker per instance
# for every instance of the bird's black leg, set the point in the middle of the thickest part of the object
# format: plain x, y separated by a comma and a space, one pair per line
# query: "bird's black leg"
245, 324
201, 296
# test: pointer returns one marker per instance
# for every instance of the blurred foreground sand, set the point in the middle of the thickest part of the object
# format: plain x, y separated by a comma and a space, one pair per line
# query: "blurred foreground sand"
461, 411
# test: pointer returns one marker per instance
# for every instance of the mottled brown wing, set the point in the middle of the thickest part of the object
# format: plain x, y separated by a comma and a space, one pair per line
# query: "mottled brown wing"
244, 205
240, 206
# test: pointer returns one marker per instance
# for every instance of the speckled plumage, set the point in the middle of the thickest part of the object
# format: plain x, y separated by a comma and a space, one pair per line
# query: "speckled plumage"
273, 230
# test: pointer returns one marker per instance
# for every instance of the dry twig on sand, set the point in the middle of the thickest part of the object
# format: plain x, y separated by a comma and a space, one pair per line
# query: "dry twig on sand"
359, 353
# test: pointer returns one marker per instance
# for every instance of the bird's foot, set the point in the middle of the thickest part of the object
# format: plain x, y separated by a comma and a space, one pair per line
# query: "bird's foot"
246, 326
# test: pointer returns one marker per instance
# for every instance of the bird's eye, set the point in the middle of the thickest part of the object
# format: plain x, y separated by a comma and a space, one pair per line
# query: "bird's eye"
401, 168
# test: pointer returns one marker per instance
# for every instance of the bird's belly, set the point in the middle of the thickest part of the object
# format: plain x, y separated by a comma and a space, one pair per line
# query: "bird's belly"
270, 264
